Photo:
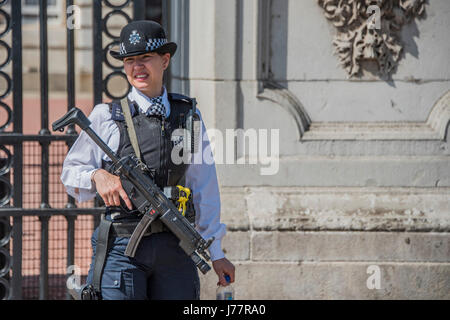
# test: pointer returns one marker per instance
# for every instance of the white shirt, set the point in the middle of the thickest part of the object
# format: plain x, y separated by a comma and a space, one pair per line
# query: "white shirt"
85, 157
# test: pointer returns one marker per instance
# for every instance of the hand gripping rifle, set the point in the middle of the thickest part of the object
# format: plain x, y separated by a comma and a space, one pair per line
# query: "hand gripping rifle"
146, 197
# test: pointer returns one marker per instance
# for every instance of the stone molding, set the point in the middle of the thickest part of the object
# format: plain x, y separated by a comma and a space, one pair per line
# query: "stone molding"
336, 209
275, 93
435, 128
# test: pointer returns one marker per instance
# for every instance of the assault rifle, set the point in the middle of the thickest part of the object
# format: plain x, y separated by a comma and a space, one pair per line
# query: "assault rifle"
146, 196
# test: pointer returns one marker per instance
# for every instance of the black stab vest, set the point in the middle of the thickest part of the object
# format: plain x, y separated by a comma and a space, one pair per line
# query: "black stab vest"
154, 135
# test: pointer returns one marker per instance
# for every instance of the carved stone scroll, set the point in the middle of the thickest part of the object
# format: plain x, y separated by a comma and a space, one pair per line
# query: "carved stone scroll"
369, 30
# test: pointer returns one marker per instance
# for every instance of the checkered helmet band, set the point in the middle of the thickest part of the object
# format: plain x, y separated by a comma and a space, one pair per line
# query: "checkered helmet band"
153, 44
122, 49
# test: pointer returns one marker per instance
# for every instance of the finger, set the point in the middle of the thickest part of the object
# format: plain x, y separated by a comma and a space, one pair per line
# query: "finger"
230, 276
222, 280
105, 199
232, 272
110, 200
125, 198
116, 199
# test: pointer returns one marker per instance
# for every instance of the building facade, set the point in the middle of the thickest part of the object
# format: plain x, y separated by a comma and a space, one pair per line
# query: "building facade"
358, 206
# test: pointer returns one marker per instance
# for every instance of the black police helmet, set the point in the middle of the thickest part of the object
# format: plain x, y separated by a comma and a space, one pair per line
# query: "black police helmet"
139, 37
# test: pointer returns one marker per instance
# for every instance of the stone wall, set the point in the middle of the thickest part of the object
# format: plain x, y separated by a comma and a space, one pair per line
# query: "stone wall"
363, 182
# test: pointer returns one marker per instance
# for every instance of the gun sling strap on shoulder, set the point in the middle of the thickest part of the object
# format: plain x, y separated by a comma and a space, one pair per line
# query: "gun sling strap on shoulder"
130, 127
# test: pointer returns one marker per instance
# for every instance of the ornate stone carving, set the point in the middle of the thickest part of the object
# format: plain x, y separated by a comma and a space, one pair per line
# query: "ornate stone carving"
368, 30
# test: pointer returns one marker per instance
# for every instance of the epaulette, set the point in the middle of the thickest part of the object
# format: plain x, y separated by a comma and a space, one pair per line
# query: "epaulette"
116, 110
180, 97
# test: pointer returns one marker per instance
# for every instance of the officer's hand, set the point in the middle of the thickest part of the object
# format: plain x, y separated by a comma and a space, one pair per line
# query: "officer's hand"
223, 267
110, 188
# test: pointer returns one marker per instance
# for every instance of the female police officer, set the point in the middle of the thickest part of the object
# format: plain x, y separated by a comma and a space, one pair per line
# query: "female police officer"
160, 268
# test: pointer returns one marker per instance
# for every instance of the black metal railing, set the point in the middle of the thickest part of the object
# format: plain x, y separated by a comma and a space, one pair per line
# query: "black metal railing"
6, 159
23, 177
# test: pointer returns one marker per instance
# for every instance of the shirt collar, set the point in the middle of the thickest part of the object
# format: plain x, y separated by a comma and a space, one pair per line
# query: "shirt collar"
144, 102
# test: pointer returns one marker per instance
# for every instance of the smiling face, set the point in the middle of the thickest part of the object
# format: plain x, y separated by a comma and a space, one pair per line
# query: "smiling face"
145, 72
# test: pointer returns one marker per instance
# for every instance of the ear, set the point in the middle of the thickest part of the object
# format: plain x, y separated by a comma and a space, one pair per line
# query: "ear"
166, 60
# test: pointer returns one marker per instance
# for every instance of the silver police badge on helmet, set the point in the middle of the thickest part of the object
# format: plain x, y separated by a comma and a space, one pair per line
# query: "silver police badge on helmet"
135, 38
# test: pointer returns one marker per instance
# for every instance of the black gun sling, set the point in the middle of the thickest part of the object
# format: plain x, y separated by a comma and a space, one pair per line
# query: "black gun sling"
101, 251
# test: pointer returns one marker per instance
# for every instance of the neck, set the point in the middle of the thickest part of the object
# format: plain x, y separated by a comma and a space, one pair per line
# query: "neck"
152, 93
